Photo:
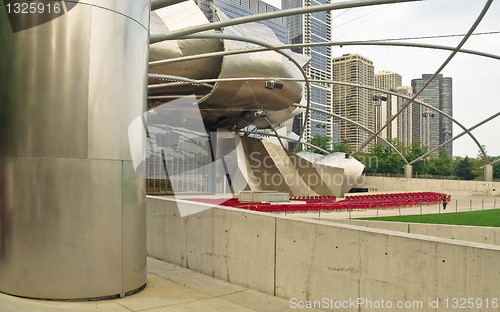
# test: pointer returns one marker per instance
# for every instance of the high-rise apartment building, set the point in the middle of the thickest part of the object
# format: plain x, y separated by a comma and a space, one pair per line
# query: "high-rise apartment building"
308, 28
352, 102
387, 80
438, 94
385, 105
239, 8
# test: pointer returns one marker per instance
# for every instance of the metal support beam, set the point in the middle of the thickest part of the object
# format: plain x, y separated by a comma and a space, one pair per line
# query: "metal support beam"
488, 172
469, 33
270, 15
408, 171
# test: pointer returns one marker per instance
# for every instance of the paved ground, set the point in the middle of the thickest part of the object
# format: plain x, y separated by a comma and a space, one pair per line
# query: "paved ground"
169, 288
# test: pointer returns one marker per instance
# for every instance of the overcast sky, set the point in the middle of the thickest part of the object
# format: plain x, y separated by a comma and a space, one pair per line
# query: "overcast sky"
476, 79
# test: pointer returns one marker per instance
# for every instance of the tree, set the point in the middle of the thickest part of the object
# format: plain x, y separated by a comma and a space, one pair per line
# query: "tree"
415, 150
343, 147
463, 168
441, 165
321, 142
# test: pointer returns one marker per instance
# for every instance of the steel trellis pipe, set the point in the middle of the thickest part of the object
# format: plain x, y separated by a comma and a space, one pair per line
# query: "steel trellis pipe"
315, 44
469, 33
259, 17
368, 88
456, 137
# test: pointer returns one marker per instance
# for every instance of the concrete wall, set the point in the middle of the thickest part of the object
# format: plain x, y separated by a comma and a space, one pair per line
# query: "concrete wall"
311, 260
478, 234
453, 187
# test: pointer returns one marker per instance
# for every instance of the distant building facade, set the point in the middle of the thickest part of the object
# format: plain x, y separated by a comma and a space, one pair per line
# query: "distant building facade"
309, 28
386, 105
351, 102
439, 95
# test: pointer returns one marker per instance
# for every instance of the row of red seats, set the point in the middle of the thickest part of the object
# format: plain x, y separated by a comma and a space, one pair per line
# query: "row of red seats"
329, 203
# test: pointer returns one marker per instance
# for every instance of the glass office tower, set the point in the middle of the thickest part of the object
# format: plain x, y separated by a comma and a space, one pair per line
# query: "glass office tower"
309, 28
439, 95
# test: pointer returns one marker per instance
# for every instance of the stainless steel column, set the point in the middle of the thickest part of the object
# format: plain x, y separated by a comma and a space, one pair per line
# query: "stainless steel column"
72, 210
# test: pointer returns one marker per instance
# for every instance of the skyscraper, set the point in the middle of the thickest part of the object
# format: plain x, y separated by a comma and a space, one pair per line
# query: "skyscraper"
439, 95
351, 102
308, 28
385, 105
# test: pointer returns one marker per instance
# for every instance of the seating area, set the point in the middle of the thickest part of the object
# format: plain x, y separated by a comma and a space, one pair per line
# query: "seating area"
329, 203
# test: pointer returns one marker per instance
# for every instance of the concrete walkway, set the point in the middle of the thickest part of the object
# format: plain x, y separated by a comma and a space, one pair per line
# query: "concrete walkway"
169, 288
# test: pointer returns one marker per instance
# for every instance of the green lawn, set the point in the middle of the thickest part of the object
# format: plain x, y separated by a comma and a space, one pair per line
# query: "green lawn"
475, 218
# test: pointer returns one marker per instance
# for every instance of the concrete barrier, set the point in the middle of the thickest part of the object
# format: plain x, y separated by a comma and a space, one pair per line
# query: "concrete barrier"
478, 234
311, 260
453, 187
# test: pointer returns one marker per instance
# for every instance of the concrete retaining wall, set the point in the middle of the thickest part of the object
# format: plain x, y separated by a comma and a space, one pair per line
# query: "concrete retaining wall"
311, 260
478, 234
453, 187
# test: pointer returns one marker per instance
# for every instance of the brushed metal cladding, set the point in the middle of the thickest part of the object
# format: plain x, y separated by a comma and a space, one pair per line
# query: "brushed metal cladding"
134, 223
117, 83
44, 88
61, 247
262, 167
324, 180
353, 169
69, 211
289, 172
137, 10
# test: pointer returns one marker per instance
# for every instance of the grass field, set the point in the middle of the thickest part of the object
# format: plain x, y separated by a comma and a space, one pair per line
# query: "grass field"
475, 218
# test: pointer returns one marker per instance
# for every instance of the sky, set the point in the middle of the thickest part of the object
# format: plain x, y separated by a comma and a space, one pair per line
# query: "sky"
475, 78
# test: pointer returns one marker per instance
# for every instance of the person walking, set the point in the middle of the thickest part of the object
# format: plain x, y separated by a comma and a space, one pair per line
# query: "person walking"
445, 202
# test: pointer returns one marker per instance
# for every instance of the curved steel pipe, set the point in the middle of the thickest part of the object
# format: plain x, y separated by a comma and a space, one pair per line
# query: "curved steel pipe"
469, 33
177, 34
357, 125
456, 137
158, 4
317, 44
494, 162
378, 90
274, 130
176, 78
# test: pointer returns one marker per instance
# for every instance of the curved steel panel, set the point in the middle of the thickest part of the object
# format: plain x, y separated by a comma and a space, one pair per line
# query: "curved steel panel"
111, 109
135, 10
176, 16
72, 217
234, 98
43, 112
